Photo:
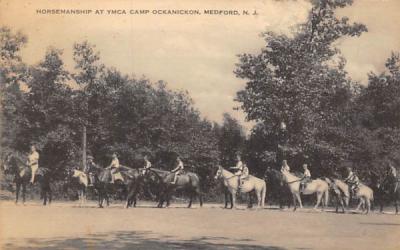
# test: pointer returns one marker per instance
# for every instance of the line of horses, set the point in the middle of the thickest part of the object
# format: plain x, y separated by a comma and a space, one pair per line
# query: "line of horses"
159, 182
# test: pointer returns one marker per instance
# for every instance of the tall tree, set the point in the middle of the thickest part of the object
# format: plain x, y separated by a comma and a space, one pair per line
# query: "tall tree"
13, 74
300, 79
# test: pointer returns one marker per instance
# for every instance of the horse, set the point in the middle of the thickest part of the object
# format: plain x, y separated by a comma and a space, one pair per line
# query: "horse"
318, 186
188, 181
364, 193
22, 175
140, 181
341, 193
386, 188
83, 182
277, 185
252, 183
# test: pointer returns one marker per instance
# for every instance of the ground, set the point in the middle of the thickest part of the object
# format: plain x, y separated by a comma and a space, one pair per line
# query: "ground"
69, 226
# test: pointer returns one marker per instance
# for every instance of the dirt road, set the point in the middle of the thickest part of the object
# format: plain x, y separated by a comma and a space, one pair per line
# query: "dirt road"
68, 226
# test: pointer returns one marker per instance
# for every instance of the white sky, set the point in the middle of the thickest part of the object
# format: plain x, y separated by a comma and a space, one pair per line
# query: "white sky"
195, 53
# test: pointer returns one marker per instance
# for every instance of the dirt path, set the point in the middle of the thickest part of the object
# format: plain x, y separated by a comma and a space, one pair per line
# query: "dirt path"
67, 226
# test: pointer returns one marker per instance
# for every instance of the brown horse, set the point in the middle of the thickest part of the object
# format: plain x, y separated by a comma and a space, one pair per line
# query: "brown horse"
188, 181
22, 175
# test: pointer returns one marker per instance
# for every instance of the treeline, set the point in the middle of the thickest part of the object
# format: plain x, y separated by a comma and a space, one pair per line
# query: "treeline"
48, 106
332, 121
299, 79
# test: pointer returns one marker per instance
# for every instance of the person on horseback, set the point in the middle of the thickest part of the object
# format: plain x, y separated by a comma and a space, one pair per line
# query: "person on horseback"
285, 167
147, 165
241, 170
178, 170
352, 180
391, 170
33, 162
114, 166
90, 170
306, 177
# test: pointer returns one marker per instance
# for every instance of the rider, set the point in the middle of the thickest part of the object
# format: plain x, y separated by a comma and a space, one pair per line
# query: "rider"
178, 170
114, 166
89, 169
33, 162
352, 180
147, 164
241, 170
392, 171
285, 167
306, 177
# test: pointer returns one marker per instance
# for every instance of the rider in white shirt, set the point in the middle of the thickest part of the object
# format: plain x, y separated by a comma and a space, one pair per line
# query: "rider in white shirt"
33, 162
241, 170
306, 177
147, 165
285, 167
178, 170
114, 165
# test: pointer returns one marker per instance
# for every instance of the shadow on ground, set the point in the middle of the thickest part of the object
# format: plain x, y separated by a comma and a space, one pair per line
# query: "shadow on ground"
134, 240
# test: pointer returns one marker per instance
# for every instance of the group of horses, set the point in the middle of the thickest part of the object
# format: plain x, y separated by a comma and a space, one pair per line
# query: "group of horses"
159, 181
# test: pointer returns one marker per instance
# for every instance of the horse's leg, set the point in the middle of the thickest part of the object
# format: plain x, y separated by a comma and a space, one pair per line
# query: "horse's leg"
17, 188
200, 198
226, 198
190, 199
294, 202
231, 199
299, 200
233, 193
368, 205
23, 193
258, 199
319, 197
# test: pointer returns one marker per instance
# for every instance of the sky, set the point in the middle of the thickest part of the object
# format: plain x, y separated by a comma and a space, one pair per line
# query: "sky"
196, 53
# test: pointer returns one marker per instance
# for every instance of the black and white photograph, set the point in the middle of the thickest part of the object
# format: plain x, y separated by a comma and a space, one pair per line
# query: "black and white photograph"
259, 124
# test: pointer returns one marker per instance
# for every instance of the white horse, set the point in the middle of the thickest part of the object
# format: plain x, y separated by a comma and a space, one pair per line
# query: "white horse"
83, 181
318, 186
341, 192
251, 183
364, 193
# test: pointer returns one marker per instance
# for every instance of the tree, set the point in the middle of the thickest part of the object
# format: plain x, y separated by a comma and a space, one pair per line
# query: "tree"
231, 140
300, 79
12, 76
47, 118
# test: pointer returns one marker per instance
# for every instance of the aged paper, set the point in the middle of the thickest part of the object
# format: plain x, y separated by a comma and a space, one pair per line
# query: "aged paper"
196, 48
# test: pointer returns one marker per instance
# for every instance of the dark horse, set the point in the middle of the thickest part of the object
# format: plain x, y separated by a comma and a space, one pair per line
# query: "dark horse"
138, 182
279, 188
386, 188
22, 175
104, 186
188, 182
101, 181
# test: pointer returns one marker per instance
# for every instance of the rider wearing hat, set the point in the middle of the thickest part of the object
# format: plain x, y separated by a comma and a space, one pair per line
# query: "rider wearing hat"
33, 162
89, 169
178, 170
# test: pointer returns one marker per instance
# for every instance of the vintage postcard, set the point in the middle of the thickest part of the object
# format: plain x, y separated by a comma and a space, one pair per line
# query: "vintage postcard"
259, 124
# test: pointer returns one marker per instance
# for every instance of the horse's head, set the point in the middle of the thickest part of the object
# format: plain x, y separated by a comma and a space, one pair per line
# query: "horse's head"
8, 163
218, 174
